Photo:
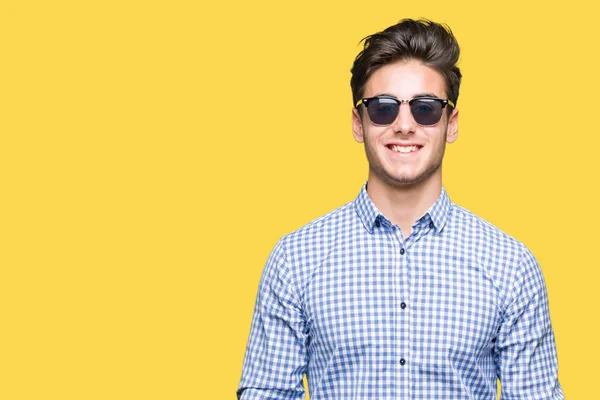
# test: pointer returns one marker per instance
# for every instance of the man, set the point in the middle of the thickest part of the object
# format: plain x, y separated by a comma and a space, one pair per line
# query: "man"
402, 294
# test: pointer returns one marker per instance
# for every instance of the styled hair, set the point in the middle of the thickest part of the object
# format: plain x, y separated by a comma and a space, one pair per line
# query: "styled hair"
429, 42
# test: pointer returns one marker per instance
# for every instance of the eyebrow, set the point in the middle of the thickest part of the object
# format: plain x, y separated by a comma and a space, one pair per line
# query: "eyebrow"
416, 96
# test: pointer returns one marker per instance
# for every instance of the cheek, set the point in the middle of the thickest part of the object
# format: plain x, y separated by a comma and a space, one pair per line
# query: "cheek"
438, 140
374, 135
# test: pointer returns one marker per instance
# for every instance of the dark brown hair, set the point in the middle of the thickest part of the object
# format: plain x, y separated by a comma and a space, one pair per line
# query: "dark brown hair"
429, 42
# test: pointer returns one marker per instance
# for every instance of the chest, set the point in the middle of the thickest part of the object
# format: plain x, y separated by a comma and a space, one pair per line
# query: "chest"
383, 293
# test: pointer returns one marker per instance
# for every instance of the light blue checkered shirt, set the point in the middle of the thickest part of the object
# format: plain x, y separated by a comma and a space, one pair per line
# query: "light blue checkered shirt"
368, 314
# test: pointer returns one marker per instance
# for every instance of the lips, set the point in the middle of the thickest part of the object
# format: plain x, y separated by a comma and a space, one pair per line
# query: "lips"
402, 148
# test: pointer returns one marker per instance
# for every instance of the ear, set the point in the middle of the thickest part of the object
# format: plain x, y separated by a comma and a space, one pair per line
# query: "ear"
452, 130
357, 127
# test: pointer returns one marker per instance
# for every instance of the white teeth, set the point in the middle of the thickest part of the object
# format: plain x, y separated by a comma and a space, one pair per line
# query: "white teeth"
403, 149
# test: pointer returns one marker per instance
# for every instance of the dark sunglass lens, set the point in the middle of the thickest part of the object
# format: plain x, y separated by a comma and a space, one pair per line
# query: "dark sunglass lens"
426, 111
382, 111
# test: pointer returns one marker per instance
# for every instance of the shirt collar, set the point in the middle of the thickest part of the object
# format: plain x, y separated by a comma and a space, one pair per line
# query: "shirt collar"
368, 213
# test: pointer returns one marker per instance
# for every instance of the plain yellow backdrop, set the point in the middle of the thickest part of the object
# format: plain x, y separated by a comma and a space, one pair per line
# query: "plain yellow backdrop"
153, 152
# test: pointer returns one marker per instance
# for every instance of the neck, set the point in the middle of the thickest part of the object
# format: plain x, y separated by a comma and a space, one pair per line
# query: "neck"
404, 204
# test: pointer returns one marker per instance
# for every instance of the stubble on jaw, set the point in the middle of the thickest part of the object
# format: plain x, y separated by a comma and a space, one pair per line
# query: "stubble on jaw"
402, 182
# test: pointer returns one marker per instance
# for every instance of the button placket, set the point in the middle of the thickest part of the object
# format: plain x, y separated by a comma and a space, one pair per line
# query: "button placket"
402, 312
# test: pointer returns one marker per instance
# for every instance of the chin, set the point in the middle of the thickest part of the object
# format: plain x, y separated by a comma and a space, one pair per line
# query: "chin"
406, 181
401, 180
406, 178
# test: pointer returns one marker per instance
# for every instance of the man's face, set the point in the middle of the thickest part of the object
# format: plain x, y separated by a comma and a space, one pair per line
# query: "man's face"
405, 80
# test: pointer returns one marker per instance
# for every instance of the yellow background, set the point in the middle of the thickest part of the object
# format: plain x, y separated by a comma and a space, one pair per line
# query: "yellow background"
153, 152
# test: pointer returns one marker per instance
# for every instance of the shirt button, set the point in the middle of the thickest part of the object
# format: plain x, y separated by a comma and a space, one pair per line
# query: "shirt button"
403, 305
402, 251
402, 361
377, 224
431, 224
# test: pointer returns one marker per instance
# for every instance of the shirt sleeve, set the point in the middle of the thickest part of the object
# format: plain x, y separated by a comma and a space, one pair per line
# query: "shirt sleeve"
276, 358
525, 348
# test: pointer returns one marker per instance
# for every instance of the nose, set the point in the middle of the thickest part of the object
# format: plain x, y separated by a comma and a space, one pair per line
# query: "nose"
404, 123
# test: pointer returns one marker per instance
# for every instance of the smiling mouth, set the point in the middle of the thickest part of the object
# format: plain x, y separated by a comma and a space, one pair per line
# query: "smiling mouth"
403, 149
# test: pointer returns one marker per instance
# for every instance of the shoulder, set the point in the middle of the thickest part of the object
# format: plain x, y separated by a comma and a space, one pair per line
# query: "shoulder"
302, 251
479, 232
507, 260
320, 230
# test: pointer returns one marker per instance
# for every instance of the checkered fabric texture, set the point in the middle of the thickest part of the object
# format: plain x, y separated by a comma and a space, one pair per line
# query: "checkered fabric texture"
369, 314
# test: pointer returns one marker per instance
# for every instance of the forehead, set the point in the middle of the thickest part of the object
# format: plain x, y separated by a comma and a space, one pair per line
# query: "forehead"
404, 80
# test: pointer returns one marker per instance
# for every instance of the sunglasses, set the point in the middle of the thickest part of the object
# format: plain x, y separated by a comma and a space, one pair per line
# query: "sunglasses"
383, 110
